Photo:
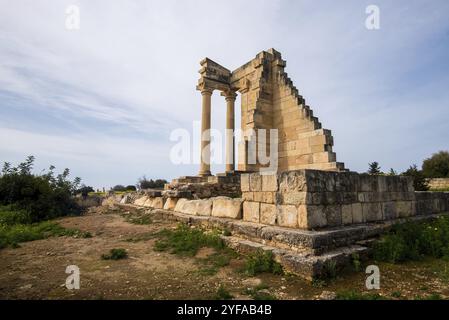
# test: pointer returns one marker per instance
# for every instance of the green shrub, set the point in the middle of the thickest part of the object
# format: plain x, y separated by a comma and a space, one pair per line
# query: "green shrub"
414, 240
223, 294
115, 254
43, 197
261, 261
419, 180
187, 241
437, 166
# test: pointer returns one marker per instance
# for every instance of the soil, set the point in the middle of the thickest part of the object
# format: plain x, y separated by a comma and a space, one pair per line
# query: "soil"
36, 270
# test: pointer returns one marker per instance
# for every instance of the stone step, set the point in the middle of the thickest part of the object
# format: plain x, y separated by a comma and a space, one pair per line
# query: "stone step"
308, 266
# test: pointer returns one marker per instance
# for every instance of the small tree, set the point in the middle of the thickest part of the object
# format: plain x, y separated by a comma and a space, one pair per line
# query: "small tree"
84, 190
374, 168
119, 188
437, 166
144, 183
131, 188
419, 181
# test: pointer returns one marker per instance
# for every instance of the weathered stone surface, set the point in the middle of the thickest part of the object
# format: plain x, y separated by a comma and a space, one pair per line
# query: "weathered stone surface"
251, 211
244, 182
372, 212
346, 214
292, 181
148, 202
404, 208
316, 217
255, 182
170, 203
157, 203
202, 207
287, 216
389, 210
268, 213
333, 215
357, 213
269, 182
225, 207
140, 201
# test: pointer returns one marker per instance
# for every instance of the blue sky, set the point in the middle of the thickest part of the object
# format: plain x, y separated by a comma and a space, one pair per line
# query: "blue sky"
103, 100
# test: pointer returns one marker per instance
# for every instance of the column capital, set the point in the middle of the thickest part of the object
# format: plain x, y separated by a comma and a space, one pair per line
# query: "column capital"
204, 90
229, 95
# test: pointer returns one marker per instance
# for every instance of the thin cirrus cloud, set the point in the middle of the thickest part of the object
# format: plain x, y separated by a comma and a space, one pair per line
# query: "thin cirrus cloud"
103, 100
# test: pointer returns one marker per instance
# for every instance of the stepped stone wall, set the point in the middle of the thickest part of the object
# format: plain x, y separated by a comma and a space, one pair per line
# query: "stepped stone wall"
309, 199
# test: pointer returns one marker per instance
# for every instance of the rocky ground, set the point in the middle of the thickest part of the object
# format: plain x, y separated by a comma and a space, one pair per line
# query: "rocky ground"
36, 270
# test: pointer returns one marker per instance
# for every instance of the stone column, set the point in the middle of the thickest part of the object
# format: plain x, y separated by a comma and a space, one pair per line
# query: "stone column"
205, 133
230, 126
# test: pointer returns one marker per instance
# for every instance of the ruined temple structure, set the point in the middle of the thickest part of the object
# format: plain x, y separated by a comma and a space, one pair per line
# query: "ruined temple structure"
269, 100
310, 212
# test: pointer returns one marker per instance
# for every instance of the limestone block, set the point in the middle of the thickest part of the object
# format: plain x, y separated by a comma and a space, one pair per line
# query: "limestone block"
333, 215
268, 197
372, 212
368, 183
170, 203
296, 198
248, 196
148, 202
203, 207
269, 182
268, 213
157, 203
255, 182
180, 204
140, 201
404, 208
251, 211
244, 182
316, 217
287, 216
357, 213
292, 181
389, 211
382, 183
346, 214
225, 207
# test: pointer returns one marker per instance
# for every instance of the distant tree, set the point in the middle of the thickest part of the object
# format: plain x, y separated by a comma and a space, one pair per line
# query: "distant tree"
437, 166
119, 188
131, 188
374, 168
419, 181
84, 190
144, 183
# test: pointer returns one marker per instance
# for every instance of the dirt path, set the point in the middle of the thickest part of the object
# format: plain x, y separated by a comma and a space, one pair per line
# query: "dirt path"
36, 270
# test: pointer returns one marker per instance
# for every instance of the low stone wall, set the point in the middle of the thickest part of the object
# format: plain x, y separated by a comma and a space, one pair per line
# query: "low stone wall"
438, 183
310, 199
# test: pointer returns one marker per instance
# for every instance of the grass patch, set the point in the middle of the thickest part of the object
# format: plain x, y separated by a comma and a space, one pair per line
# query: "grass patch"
217, 260
115, 254
187, 241
12, 235
354, 295
141, 220
262, 261
223, 294
414, 241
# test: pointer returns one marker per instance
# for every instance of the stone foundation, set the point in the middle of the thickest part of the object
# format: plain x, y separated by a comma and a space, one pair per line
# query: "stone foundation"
311, 199
307, 218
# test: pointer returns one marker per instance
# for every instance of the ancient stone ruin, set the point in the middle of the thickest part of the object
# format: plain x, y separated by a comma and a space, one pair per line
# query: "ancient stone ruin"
310, 212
